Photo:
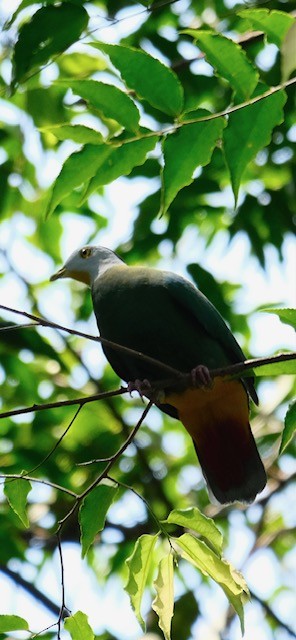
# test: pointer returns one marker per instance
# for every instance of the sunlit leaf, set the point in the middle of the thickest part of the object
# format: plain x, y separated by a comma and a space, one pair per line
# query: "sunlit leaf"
80, 167
108, 100
51, 30
138, 571
229, 60
252, 127
163, 603
288, 51
231, 581
92, 513
184, 150
120, 162
78, 627
192, 518
275, 24
289, 428
16, 492
149, 78
12, 623
77, 132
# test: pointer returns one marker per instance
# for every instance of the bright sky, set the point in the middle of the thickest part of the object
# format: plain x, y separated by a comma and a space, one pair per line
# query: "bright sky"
275, 285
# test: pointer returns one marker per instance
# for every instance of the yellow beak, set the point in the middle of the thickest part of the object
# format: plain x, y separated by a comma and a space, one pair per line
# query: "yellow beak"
62, 273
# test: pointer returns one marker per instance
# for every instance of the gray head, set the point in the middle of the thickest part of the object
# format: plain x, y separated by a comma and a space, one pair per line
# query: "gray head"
87, 264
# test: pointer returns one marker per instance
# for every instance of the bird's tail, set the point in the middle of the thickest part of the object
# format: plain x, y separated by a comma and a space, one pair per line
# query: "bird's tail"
218, 421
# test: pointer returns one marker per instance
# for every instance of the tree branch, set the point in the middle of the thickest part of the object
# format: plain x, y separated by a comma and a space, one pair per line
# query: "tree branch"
31, 589
112, 345
181, 380
272, 614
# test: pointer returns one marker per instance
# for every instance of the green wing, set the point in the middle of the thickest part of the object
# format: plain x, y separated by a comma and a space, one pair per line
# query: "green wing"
206, 315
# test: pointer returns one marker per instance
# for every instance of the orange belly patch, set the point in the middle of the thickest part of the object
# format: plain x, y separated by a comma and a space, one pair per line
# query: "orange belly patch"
226, 401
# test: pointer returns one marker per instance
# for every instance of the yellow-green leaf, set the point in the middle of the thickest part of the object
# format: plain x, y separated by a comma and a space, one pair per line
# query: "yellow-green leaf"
290, 426
288, 51
138, 565
230, 580
192, 518
163, 603
16, 492
77, 132
92, 513
12, 623
274, 23
78, 627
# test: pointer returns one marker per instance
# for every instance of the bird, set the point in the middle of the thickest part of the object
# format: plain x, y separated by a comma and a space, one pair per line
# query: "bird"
165, 317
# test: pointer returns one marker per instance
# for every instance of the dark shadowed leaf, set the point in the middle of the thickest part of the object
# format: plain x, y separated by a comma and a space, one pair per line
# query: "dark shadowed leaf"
50, 31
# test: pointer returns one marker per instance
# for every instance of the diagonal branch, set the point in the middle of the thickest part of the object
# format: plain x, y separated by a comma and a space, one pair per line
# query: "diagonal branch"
105, 471
181, 380
108, 343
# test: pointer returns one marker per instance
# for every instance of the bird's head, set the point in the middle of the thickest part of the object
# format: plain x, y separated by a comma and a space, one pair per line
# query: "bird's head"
87, 264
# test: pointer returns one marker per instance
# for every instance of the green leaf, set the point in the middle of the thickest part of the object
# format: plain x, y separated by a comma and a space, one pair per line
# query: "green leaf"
286, 367
192, 518
147, 76
78, 627
163, 603
230, 580
288, 51
138, 565
120, 162
249, 130
184, 150
77, 132
287, 316
12, 623
290, 426
50, 31
92, 513
229, 60
108, 100
16, 492
80, 167
274, 23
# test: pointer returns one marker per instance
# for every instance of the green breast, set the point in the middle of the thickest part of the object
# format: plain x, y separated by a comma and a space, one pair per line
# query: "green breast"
135, 307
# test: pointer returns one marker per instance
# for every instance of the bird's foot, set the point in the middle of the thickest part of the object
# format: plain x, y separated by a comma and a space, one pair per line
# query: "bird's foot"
201, 377
141, 386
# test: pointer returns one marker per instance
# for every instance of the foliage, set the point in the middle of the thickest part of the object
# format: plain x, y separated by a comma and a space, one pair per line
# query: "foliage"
187, 101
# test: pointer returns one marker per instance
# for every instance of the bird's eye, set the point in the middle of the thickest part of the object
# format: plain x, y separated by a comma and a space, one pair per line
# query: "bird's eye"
85, 252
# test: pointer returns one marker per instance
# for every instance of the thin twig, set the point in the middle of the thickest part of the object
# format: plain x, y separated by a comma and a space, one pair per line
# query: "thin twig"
53, 485
30, 588
57, 442
105, 471
107, 343
272, 614
64, 611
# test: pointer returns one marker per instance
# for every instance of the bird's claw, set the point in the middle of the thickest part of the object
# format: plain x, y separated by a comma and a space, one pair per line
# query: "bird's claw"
141, 386
201, 377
